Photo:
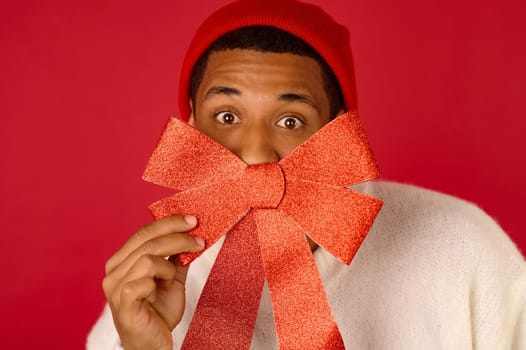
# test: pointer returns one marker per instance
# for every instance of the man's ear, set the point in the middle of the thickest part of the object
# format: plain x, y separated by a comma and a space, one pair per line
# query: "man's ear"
191, 118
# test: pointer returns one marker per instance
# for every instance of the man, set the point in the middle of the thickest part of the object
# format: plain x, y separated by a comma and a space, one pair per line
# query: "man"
434, 272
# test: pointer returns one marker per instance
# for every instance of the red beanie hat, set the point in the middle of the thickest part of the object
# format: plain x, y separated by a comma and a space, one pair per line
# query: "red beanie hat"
308, 22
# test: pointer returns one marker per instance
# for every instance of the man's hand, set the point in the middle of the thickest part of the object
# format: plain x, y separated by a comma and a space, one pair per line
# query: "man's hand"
145, 290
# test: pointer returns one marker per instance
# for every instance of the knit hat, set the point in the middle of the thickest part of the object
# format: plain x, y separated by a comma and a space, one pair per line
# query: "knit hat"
308, 22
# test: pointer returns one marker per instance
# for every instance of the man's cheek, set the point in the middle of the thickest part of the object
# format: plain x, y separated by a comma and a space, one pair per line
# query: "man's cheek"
228, 138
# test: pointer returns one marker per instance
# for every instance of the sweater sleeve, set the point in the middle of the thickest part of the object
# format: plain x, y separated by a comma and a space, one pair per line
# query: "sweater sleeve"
519, 328
498, 290
103, 335
517, 309
519, 339
518, 312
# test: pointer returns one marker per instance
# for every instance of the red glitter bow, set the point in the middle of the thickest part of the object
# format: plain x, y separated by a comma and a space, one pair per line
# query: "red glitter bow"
267, 209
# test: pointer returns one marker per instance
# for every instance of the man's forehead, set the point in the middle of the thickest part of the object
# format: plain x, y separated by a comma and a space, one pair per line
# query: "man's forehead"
238, 65
287, 77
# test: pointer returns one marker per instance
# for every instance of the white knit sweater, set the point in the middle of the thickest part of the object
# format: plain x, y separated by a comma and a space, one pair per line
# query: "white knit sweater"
435, 272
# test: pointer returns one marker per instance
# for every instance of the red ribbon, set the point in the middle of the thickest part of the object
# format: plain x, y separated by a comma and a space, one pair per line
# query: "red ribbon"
267, 209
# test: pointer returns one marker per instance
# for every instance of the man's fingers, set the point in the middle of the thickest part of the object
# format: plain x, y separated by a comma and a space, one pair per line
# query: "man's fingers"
161, 246
165, 226
152, 266
181, 270
133, 296
146, 266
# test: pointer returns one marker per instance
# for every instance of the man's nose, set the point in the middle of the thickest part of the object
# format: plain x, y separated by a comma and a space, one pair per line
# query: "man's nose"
257, 147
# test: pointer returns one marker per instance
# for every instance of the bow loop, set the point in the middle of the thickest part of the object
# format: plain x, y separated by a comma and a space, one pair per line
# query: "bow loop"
224, 208
177, 164
336, 218
337, 154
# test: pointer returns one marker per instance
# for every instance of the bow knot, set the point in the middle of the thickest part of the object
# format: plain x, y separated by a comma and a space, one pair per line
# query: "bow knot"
263, 185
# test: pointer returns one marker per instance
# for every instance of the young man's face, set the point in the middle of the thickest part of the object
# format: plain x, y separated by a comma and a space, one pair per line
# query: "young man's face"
260, 105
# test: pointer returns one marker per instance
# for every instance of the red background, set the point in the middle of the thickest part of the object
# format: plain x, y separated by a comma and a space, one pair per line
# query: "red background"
86, 87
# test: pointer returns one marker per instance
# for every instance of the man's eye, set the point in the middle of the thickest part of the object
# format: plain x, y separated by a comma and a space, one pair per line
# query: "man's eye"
290, 122
227, 118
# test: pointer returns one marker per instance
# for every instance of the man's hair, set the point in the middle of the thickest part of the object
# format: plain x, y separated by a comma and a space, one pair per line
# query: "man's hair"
269, 39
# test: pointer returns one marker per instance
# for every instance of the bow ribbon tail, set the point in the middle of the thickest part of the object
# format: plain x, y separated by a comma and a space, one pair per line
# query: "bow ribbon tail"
226, 312
302, 313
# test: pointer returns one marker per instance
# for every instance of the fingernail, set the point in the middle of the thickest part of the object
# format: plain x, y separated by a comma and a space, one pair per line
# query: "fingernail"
200, 241
190, 220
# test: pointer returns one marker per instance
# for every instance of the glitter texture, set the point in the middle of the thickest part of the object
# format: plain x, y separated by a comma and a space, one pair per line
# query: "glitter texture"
266, 210
227, 311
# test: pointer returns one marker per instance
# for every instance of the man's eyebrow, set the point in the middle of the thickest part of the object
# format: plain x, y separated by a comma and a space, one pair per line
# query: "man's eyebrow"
222, 90
290, 97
